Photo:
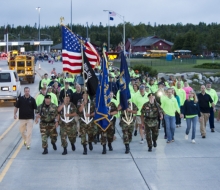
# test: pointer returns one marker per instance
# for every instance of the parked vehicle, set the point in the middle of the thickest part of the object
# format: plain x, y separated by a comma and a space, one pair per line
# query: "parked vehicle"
10, 87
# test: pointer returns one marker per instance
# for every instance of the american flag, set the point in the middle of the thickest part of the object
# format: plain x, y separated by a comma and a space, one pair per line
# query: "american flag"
112, 14
71, 52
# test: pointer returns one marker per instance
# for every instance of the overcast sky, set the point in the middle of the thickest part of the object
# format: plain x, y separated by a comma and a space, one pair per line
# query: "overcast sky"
23, 12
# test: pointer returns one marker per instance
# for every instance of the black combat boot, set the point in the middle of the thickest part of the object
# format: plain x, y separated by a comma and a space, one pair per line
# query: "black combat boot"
154, 143
85, 149
90, 146
64, 151
73, 147
110, 146
104, 149
127, 148
150, 149
45, 151
54, 146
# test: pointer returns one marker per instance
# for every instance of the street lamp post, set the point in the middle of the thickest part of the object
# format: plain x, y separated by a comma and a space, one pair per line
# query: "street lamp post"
38, 9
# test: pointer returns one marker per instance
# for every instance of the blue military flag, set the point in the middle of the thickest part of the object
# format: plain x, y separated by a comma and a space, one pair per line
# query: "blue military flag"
124, 82
102, 117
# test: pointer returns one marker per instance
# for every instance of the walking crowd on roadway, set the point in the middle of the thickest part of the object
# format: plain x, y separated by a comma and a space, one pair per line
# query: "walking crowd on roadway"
155, 103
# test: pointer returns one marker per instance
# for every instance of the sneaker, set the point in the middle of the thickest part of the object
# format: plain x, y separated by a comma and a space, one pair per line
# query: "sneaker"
186, 137
142, 141
28, 147
212, 130
193, 141
135, 133
203, 136
25, 143
165, 137
177, 126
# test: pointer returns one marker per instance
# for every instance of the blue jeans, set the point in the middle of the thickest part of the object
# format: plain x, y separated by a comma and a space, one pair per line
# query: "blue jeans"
192, 121
211, 118
170, 126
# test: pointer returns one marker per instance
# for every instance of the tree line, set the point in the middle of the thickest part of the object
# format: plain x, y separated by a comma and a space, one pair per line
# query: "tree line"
196, 38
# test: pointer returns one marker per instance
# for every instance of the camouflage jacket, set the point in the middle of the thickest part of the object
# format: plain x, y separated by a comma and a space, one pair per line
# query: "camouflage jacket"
71, 111
135, 108
48, 113
150, 111
112, 107
92, 107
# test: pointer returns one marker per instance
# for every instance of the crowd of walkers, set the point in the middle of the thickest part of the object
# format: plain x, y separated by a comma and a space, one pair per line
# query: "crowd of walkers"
155, 103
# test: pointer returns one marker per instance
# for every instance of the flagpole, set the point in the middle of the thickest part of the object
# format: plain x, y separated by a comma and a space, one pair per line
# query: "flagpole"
84, 84
108, 33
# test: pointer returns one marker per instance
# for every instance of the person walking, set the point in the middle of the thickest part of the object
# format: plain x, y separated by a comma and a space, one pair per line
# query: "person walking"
214, 96
26, 105
67, 111
47, 113
204, 101
127, 127
191, 111
86, 128
108, 134
170, 107
150, 113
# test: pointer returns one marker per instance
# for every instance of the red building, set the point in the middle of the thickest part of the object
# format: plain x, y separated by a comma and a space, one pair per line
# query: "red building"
148, 43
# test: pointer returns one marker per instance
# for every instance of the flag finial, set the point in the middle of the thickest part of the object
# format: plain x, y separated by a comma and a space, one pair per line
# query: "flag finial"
61, 20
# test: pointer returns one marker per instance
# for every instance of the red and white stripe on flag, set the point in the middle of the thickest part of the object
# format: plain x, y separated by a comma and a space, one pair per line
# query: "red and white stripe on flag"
72, 61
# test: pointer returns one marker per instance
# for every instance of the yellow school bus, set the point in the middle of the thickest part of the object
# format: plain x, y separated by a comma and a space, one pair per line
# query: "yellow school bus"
24, 66
155, 53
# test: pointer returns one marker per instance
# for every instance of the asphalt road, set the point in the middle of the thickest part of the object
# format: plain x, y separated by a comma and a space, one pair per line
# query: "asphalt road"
175, 166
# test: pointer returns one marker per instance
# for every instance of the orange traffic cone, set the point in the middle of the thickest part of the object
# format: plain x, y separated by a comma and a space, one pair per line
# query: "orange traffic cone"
39, 67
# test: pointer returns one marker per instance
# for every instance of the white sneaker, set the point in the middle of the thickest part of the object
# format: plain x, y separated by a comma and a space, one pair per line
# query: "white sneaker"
193, 141
142, 141
186, 137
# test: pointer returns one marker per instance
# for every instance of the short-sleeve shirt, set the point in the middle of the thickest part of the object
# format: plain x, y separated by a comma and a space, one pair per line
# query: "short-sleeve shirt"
151, 111
72, 109
26, 107
48, 112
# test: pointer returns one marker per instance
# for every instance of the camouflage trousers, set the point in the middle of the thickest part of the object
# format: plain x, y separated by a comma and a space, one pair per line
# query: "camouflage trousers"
107, 135
70, 131
127, 131
151, 133
48, 131
87, 129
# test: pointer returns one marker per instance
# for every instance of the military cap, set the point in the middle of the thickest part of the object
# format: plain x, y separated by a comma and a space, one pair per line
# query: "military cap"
67, 95
150, 94
161, 83
48, 96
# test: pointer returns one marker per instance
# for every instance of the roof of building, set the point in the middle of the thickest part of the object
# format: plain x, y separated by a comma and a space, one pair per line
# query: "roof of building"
57, 46
147, 41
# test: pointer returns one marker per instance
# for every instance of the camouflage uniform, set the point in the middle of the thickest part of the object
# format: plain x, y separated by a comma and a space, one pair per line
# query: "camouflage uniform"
68, 129
109, 133
47, 123
127, 129
84, 128
151, 114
